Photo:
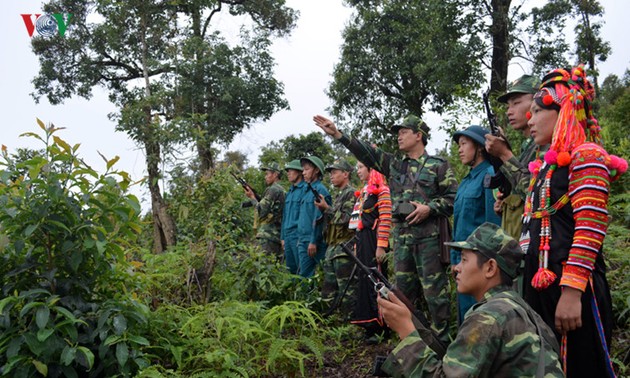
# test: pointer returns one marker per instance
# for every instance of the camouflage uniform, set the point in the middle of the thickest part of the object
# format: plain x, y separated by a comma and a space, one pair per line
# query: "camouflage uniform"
337, 266
516, 170
428, 180
501, 336
517, 173
269, 215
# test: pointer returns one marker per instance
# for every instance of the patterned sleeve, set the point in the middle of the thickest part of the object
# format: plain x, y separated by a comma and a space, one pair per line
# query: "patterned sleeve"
589, 181
265, 206
370, 156
443, 203
384, 205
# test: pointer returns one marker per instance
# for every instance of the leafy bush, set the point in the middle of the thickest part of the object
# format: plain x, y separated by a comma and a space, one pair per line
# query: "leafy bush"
63, 233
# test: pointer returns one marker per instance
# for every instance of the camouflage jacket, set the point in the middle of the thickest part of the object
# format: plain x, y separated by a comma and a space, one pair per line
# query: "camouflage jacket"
269, 213
500, 337
428, 180
517, 171
337, 217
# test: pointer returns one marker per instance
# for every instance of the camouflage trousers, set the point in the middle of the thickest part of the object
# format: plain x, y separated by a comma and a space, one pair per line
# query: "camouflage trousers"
271, 247
417, 267
337, 273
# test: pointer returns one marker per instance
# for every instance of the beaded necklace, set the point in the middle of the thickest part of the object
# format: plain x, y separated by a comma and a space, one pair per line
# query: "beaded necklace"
543, 277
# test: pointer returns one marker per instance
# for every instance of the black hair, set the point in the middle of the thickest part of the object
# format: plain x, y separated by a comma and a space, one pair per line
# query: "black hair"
506, 280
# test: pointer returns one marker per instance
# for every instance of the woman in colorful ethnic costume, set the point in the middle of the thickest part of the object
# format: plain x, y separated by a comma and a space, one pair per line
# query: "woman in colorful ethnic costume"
372, 218
565, 222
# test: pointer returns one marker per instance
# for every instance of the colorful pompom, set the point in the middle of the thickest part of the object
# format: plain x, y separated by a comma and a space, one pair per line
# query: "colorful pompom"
547, 100
534, 166
564, 159
551, 157
528, 115
543, 279
357, 193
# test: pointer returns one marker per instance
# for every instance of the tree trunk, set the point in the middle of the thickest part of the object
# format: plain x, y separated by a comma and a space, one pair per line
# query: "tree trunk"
499, 30
206, 159
164, 233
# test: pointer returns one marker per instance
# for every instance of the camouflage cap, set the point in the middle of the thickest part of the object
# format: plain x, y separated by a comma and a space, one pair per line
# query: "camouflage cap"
294, 164
315, 161
524, 84
274, 167
341, 164
414, 123
491, 241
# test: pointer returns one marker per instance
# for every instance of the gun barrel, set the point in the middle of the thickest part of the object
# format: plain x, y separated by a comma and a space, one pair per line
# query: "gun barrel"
383, 287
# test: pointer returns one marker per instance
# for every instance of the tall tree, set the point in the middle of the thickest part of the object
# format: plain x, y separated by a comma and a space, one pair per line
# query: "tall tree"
403, 56
552, 48
173, 77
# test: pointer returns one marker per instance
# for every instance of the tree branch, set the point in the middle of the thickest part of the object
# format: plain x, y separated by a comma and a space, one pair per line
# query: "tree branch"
205, 25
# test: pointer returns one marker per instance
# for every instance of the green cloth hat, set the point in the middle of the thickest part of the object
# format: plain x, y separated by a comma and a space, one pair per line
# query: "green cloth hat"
315, 161
341, 164
275, 167
294, 164
413, 123
524, 84
491, 241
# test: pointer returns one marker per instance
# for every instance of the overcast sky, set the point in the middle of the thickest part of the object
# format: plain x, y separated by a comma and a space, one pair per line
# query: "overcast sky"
304, 64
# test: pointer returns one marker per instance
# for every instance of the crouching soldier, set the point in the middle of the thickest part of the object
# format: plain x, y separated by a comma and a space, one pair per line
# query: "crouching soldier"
501, 336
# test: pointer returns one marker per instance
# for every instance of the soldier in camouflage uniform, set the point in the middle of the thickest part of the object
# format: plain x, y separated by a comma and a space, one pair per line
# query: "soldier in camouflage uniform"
269, 212
518, 98
337, 266
501, 335
422, 187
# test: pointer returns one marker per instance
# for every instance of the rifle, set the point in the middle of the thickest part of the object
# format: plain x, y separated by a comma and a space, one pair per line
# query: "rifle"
384, 287
315, 192
245, 185
498, 180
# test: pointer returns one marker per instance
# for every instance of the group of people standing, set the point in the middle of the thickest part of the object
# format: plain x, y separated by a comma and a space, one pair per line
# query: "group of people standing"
560, 322
306, 227
546, 234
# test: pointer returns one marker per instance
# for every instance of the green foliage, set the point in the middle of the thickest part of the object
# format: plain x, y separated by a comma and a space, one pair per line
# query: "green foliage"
295, 147
64, 229
550, 20
242, 339
399, 56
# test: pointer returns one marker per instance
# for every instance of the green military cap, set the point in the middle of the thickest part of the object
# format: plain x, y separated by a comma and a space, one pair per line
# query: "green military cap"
341, 164
294, 164
414, 123
275, 167
524, 84
491, 241
315, 161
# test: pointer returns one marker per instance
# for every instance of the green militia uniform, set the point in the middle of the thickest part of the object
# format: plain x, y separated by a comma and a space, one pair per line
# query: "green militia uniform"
428, 180
517, 173
501, 336
337, 266
269, 220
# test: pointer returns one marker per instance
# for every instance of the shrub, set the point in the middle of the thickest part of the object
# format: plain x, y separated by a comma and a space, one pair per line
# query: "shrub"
63, 233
